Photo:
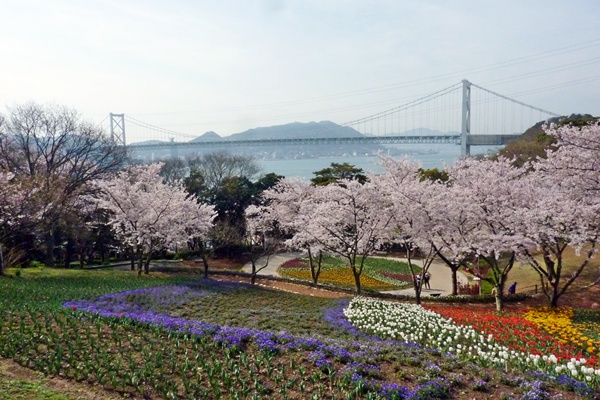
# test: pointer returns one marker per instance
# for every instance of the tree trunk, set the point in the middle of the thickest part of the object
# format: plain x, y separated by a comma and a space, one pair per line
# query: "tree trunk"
205, 263
356, 280
1, 260
147, 265
132, 255
418, 297
499, 304
253, 277
315, 272
140, 264
418, 286
49, 261
69, 252
454, 281
554, 301
555, 295
454, 267
498, 298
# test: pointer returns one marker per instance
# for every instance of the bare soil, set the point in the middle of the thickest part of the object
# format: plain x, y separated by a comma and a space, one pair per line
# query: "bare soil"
11, 371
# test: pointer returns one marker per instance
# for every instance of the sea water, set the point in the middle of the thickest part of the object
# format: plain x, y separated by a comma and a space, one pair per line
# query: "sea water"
435, 156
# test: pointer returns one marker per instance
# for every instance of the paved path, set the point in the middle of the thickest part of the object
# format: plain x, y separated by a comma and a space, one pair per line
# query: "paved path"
440, 281
275, 261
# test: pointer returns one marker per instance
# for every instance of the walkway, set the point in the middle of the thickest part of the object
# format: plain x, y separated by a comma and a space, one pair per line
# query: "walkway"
275, 261
440, 281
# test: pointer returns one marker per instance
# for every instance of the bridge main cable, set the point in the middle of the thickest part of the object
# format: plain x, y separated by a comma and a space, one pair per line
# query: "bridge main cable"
405, 106
516, 101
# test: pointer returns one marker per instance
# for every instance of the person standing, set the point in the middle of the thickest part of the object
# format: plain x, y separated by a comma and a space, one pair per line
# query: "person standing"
513, 288
426, 278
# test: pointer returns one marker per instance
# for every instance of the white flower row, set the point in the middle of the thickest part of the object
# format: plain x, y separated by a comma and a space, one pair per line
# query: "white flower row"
413, 323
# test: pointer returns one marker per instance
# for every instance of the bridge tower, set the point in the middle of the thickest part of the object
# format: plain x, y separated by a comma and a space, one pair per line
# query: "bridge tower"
465, 147
117, 128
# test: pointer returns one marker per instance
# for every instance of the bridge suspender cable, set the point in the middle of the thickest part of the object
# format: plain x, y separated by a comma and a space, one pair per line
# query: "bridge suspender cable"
404, 106
516, 101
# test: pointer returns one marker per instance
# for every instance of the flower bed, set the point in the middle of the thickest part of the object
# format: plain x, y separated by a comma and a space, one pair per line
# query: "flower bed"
339, 276
398, 277
559, 324
520, 332
510, 342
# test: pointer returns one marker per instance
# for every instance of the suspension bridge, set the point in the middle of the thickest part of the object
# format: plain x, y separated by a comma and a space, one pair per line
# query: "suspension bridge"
464, 114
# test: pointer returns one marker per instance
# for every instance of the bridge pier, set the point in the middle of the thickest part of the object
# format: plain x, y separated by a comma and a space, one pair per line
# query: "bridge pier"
465, 147
174, 149
117, 128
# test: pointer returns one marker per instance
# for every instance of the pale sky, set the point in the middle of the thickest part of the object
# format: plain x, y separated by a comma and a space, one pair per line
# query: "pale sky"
231, 65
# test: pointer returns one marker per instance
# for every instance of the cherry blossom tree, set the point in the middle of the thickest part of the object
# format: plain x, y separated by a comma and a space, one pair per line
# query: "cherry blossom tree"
451, 226
149, 215
10, 199
414, 214
494, 198
429, 216
290, 203
565, 207
576, 156
347, 219
23, 204
263, 237
13, 214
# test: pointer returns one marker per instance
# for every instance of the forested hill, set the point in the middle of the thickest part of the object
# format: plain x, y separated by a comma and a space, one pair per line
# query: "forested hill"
534, 141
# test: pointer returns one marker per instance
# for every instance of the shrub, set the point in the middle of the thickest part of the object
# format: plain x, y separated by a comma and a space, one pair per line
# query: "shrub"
37, 264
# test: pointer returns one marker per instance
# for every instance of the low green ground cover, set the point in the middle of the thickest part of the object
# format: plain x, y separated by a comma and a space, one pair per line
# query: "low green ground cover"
24, 390
48, 288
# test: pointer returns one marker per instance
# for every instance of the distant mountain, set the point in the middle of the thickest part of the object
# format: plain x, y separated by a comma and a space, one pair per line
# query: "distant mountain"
323, 129
209, 136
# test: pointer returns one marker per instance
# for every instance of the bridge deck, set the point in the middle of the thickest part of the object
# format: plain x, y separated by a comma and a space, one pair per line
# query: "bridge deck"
473, 140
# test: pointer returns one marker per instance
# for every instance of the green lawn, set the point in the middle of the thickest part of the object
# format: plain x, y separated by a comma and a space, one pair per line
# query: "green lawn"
527, 278
27, 390
48, 288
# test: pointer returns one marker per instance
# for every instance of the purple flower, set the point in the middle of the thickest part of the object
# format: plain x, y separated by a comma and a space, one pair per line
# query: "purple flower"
320, 359
394, 391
